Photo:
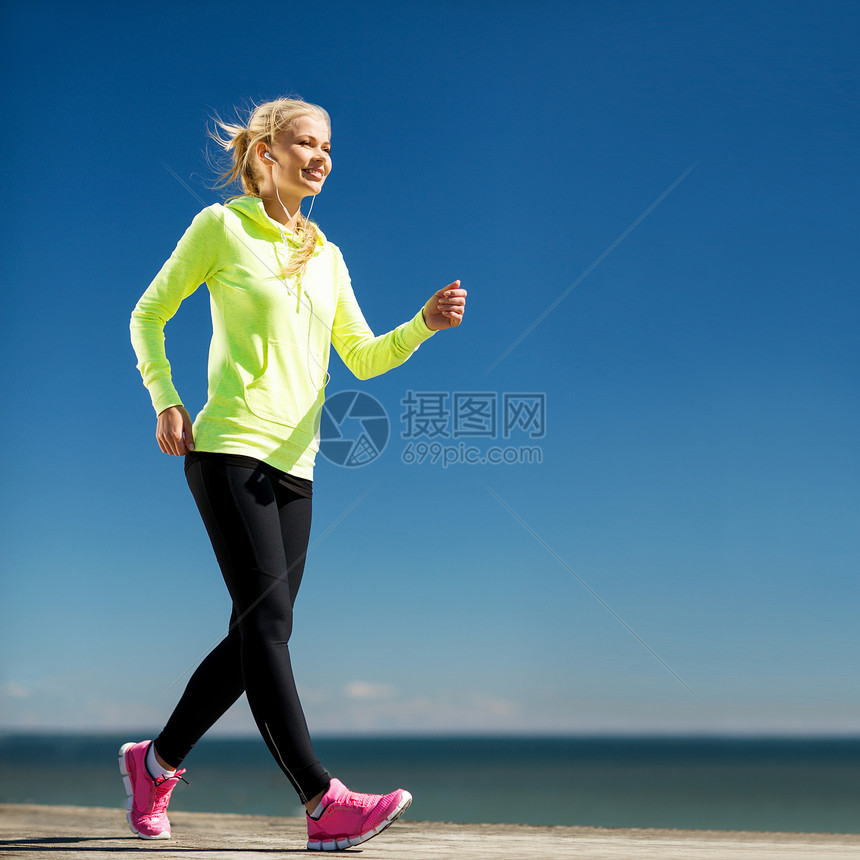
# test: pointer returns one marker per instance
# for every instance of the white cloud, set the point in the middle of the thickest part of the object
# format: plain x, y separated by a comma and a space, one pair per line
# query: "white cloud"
367, 690
12, 690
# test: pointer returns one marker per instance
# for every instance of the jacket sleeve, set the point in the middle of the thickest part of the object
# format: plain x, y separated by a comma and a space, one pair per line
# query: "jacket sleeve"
363, 353
192, 263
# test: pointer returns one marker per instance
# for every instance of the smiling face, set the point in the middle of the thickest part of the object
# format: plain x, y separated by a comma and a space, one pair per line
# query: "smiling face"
303, 154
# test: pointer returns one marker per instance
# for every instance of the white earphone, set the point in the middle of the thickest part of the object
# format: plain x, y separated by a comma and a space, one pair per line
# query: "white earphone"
301, 294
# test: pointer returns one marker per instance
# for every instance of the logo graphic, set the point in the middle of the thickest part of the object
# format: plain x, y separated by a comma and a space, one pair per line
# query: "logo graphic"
440, 425
354, 429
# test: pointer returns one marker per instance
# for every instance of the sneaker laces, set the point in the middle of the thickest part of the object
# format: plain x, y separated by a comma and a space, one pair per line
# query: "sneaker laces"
162, 790
360, 799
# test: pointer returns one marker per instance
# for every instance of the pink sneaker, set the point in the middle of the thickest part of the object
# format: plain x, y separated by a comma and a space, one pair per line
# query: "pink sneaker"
350, 818
147, 797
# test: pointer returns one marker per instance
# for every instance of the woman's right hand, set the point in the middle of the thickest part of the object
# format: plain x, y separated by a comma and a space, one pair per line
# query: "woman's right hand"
173, 431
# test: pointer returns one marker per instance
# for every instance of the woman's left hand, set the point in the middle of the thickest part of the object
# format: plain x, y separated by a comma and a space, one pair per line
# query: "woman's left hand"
445, 308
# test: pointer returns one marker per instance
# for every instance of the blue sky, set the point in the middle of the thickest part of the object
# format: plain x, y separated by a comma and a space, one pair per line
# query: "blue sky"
683, 558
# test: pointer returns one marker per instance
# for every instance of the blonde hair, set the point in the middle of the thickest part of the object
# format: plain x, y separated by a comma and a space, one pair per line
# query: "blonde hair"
264, 124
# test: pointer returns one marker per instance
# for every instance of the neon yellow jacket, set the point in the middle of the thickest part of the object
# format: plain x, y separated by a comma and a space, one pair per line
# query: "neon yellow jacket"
270, 336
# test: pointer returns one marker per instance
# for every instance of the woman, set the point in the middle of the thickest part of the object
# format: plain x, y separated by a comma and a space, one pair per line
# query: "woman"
280, 297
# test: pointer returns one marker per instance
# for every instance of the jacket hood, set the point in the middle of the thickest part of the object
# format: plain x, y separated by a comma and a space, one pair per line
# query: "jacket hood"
253, 209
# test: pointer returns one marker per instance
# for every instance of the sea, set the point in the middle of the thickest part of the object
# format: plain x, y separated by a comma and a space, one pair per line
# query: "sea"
764, 784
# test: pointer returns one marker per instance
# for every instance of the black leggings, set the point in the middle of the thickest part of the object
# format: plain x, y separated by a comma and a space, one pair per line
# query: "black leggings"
259, 530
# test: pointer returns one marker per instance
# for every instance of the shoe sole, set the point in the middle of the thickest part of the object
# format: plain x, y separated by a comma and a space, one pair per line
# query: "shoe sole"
129, 790
349, 841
